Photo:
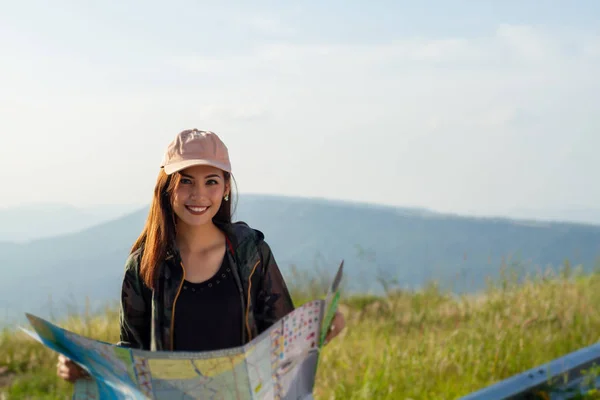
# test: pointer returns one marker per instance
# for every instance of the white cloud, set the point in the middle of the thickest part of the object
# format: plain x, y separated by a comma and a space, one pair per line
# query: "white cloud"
469, 82
514, 56
484, 121
515, 42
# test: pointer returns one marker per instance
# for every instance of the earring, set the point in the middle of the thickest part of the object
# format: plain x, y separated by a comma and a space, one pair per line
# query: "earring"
226, 197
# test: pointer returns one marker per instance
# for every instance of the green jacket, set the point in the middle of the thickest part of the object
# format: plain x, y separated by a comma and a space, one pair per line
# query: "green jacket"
146, 316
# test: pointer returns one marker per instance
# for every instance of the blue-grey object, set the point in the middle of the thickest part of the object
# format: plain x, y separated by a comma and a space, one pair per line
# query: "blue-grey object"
561, 378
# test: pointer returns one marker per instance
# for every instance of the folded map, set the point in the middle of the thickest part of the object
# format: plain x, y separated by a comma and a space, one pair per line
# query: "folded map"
280, 363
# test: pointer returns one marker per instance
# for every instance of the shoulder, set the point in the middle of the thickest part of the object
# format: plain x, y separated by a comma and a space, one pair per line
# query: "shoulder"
241, 231
132, 269
242, 234
247, 239
132, 263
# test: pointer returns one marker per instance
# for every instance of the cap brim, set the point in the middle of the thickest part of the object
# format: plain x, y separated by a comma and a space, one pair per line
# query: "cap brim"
181, 165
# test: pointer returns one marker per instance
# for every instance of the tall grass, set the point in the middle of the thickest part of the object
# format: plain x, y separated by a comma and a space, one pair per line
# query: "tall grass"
404, 345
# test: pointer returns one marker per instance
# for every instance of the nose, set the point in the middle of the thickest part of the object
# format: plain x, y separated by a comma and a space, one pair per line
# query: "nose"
197, 191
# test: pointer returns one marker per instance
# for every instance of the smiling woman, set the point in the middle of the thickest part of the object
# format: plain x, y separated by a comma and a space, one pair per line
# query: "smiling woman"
195, 280
213, 183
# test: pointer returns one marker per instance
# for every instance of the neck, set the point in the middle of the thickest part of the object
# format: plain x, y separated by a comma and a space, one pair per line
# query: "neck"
197, 239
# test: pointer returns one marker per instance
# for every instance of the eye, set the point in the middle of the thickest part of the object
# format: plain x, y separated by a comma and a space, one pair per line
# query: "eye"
212, 182
185, 181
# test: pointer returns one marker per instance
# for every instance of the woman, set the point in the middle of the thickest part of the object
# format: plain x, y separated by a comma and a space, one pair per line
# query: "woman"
192, 267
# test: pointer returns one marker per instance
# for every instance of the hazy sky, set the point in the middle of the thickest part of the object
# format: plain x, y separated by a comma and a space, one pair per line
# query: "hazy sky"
466, 106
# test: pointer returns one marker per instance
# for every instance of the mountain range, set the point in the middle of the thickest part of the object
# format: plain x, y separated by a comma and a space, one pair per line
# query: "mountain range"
28, 222
412, 246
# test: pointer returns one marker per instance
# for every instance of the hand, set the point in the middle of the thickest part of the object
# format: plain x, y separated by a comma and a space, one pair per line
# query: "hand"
337, 325
68, 370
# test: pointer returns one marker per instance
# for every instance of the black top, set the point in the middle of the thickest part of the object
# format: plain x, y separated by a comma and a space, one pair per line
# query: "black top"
208, 315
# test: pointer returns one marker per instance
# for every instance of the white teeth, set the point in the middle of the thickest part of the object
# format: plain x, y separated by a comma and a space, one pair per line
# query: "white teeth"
197, 209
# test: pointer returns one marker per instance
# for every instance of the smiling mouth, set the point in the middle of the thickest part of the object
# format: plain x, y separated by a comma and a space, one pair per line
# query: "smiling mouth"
196, 210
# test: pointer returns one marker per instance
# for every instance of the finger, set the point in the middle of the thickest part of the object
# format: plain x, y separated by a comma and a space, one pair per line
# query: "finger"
340, 321
63, 359
66, 364
330, 333
64, 372
65, 376
71, 373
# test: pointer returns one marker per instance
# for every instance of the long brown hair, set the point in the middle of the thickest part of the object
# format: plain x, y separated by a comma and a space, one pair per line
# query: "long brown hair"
159, 231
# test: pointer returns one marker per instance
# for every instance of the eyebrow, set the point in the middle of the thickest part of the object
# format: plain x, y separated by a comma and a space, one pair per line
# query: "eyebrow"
206, 177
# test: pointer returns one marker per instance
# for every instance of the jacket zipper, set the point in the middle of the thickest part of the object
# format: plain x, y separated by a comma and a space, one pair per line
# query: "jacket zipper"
241, 292
174, 303
248, 300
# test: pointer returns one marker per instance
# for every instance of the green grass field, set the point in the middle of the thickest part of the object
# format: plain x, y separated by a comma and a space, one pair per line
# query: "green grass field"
405, 345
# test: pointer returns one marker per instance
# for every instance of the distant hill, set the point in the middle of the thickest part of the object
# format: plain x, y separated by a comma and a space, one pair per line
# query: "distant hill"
410, 245
34, 221
585, 215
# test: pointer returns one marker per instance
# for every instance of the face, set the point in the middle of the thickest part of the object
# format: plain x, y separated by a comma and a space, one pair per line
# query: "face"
198, 194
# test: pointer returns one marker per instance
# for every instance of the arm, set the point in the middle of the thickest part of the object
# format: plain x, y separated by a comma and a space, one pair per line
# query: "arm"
273, 299
134, 311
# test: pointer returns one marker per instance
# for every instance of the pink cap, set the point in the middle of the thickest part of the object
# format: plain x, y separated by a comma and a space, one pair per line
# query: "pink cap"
193, 147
